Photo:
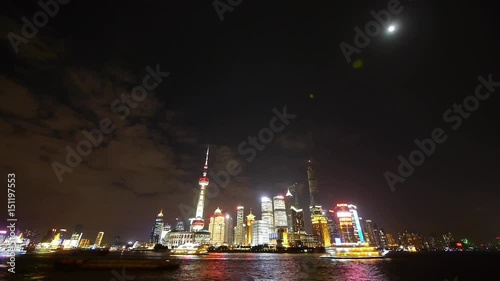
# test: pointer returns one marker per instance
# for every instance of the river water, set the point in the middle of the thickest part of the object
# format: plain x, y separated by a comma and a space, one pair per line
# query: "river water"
266, 266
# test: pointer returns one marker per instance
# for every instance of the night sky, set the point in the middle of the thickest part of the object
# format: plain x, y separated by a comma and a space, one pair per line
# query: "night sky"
225, 78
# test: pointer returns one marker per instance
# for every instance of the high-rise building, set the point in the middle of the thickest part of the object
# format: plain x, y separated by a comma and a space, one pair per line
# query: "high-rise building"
198, 223
217, 228
346, 232
358, 230
249, 227
76, 236
298, 220
63, 233
239, 230
280, 221
75, 240
333, 226
370, 233
296, 228
318, 219
280, 217
267, 213
382, 239
98, 240
288, 205
229, 231
260, 232
157, 229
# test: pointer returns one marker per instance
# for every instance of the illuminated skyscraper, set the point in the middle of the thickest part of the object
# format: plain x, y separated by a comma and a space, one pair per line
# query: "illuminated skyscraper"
370, 233
267, 213
229, 231
288, 205
346, 230
358, 230
260, 233
318, 220
217, 228
76, 236
197, 223
98, 239
239, 231
280, 217
280, 221
63, 234
250, 221
298, 220
296, 226
157, 229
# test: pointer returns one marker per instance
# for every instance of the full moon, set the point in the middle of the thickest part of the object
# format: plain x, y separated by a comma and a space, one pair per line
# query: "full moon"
391, 28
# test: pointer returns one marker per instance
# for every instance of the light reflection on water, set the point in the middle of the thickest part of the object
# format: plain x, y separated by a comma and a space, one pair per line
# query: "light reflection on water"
256, 267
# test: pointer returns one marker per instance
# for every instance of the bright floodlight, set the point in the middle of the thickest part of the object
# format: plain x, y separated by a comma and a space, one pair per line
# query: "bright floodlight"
391, 28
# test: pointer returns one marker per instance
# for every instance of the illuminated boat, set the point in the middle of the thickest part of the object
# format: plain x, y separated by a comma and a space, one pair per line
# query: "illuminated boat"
354, 251
10, 253
190, 249
13, 246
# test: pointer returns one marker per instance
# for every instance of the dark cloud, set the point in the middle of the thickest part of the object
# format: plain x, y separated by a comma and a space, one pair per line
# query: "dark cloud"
131, 165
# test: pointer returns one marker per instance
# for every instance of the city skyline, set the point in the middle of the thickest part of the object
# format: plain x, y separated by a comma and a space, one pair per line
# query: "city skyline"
304, 198
269, 88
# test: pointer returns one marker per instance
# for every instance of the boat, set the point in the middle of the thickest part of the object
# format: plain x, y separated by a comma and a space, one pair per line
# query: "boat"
190, 249
14, 248
9, 253
354, 251
129, 264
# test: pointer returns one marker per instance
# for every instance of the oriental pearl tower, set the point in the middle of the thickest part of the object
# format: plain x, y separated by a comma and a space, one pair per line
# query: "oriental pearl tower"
197, 223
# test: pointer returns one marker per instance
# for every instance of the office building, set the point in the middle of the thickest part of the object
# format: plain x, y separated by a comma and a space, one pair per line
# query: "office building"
260, 232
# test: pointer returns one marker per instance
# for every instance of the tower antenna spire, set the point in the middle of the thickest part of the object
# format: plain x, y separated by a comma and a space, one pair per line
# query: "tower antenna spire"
206, 158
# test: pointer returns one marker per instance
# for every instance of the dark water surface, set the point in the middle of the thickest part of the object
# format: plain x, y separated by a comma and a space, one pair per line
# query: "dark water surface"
259, 266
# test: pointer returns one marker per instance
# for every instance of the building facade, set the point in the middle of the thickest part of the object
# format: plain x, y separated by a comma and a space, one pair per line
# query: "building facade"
260, 232
249, 227
267, 213
174, 239
98, 239
239, 230
217, 228
157, 229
